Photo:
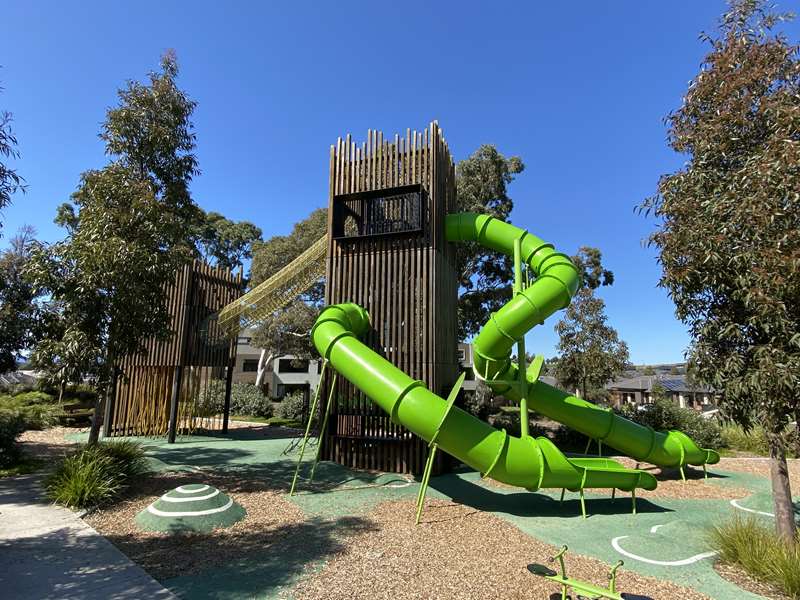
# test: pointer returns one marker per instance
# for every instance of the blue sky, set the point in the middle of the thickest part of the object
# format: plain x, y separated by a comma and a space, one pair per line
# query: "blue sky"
577, 89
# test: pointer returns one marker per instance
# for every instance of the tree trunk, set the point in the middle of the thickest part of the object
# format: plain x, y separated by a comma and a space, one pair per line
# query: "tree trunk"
99, 408
263, 364
94, 432
781, 491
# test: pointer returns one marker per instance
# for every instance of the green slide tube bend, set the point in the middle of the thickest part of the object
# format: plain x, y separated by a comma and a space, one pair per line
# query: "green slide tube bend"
557, 279
529, 463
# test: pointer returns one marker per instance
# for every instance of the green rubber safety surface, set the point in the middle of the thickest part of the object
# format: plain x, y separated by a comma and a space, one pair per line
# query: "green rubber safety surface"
191, 507
665, 530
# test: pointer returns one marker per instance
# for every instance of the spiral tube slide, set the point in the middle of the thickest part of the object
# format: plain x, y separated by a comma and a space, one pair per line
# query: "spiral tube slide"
556, 281
528, 463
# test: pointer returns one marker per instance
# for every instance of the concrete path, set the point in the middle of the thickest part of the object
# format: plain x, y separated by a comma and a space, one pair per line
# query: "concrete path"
48, 553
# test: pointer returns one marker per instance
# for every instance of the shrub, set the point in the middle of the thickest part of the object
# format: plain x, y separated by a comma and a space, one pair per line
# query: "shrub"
211, 400
756, 549
736, 438
479, 402
12, 424
247, 399
664, 415
291, 408
95, 474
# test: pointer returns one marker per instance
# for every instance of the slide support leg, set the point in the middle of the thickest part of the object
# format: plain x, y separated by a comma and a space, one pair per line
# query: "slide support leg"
423, 488
705, 471
305, 438
563, 490
522, 358
324, 428
633, 499
583, 505
613, 493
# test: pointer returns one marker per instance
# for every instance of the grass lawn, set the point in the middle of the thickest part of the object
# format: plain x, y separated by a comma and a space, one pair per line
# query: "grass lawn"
277, 421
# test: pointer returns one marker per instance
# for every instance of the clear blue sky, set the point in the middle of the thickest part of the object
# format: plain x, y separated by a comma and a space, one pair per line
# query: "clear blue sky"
578, 90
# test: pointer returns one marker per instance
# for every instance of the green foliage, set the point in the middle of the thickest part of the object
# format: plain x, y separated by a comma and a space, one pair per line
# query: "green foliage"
96, 474
291, 408
754, 440
728, 226
479, 402
211, 400
227, 243
35, 408
590, 265
590, 351
10, 181
12, 424
485, 276
19, 312
746, 543
247, 399
129, 226
664, 415
287, 330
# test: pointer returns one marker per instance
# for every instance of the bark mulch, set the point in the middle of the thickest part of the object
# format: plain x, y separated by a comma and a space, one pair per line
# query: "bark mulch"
457, 552
760, 467
48, 444
737, 575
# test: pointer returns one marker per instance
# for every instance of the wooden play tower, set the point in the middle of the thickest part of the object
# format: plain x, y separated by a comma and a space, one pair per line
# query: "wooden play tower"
387, 252
173, 386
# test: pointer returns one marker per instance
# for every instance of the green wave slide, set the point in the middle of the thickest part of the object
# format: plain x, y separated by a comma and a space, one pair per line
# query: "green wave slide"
519, 461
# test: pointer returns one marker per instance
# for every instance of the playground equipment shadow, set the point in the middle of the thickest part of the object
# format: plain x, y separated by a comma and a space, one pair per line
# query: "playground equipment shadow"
665, 529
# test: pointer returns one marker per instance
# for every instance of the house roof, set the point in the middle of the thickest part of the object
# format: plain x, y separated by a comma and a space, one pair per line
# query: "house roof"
673, 383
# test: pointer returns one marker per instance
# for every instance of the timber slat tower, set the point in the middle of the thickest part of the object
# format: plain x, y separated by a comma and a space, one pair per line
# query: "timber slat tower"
387, 252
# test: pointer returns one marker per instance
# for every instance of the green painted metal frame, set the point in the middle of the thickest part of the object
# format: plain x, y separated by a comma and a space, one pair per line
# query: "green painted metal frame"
307, 433
433, 446
577, 585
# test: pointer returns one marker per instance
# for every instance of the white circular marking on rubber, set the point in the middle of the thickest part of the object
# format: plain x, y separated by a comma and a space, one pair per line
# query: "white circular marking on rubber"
735, 504
662, 563
654, 528
182, 489
189, 513
166, 498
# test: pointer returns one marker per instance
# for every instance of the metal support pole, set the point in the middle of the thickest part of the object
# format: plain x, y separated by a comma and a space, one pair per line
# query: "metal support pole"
226, 411
563, 491
522, 359
633, 499
423, 488
324, 429
583, 505
305, 440
173, 407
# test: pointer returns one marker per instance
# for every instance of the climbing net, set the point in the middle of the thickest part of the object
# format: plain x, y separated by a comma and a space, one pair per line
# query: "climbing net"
277, 291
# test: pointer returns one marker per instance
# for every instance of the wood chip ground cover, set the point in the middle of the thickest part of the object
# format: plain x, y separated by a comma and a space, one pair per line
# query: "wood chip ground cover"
457, 552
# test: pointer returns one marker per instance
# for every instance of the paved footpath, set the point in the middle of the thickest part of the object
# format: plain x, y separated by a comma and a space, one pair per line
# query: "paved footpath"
48, 553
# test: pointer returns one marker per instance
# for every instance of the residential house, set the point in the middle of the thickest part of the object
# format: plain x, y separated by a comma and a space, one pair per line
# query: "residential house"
639, 390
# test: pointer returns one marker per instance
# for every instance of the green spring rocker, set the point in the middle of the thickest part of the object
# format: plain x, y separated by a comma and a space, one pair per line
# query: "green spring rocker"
582, 588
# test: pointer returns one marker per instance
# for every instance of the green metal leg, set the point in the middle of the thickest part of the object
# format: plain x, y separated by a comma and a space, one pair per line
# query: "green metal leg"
705, 471
633, 499
613, 493
423, 488
583, 505
588, 445
305, 437
683, 475
324, 427
563, 490
599, 448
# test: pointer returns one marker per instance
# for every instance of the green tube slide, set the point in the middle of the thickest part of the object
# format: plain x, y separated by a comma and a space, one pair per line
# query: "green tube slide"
525, 462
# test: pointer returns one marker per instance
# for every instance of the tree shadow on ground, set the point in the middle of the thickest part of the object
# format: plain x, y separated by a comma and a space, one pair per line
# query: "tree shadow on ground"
531, 504
256, 560
254, 432
53, 565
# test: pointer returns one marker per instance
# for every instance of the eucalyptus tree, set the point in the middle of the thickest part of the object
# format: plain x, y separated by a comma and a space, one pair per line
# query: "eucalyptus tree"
129, 226
729, 228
